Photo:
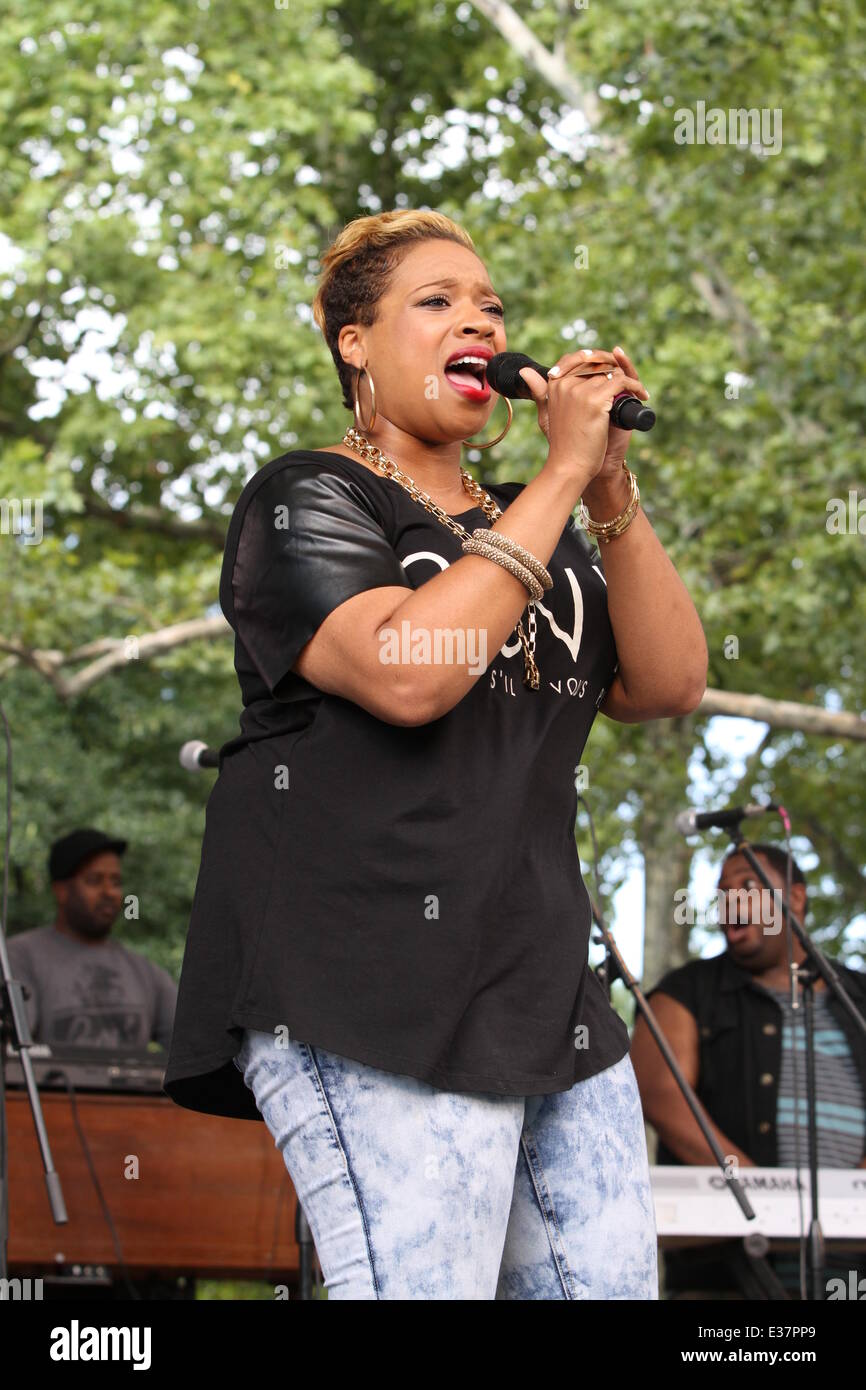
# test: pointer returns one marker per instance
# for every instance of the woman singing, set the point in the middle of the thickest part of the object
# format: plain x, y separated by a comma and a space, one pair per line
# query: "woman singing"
387, 954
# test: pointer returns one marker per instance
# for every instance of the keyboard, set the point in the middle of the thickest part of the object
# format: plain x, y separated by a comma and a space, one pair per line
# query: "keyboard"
695, 1202
89, 1068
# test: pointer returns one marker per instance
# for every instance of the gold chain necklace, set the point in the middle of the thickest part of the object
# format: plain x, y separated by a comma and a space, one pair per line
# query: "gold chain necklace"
386, 465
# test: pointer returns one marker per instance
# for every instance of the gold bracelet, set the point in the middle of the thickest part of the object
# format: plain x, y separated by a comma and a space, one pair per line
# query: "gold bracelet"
608, 530
490, 552
516, 551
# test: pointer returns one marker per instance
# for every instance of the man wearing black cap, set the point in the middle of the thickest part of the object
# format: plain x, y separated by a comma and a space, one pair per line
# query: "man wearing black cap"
85, 989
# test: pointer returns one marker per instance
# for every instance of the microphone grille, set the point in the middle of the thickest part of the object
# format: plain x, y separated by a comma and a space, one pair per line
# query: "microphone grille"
189, 755
502, 372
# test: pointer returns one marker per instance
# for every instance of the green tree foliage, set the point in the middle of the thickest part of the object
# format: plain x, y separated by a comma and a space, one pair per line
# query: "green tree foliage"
169, 176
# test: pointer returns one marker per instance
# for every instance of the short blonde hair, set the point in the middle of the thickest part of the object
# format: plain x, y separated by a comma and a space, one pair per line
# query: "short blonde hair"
357, 269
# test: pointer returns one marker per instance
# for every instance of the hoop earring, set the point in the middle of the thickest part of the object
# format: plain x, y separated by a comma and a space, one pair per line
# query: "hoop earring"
469, 443
360, 427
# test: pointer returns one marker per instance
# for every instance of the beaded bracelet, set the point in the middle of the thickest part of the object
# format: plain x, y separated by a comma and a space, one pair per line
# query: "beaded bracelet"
516, 551
491, 552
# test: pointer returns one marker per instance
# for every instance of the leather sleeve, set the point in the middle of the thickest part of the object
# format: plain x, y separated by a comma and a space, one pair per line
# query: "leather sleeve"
309, 539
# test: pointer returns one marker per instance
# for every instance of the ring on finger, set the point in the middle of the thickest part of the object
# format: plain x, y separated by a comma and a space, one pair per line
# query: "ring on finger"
594, 369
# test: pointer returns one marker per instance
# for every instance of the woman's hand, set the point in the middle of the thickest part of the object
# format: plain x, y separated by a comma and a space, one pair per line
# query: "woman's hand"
619, 440
574, 410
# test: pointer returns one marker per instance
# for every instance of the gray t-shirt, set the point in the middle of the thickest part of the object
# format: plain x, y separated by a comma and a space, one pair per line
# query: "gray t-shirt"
86, 995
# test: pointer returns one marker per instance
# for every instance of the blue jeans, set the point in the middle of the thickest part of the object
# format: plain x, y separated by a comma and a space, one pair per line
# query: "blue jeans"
417, 1193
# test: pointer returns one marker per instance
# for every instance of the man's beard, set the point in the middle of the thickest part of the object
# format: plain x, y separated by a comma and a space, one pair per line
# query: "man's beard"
81, 921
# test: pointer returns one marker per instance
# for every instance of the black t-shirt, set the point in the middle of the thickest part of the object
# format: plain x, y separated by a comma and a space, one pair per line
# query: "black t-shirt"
408, 897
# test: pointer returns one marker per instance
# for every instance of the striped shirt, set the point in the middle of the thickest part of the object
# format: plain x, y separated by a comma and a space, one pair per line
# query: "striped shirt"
839, 1101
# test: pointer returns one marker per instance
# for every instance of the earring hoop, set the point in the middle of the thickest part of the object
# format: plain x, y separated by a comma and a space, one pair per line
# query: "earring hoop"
510, 409
359, 425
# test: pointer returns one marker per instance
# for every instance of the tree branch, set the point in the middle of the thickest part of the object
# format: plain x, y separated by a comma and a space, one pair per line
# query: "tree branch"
146, 518
784, 714
24, 333
843, 865
110, 653
717, 292
117, 652
548, 65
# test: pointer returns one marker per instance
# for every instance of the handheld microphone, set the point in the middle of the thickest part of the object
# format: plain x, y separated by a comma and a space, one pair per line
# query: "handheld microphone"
502, 372
196, 755
688, 822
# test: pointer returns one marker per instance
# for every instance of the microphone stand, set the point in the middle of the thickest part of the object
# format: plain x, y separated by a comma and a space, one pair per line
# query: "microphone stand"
304, 1239
618, 969
614, 967
816, 966
749, 1263
15, 1029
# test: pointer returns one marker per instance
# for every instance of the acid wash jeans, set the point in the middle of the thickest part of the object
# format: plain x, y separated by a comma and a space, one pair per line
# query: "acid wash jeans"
417, 1193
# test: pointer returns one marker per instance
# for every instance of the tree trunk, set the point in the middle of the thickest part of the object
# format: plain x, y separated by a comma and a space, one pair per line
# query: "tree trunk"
667, 856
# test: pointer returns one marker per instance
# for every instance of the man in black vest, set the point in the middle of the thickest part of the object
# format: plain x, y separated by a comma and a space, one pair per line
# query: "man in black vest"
730, 1023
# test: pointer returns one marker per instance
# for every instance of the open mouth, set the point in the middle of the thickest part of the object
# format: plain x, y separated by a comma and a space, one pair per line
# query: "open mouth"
467, 375
738, 931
